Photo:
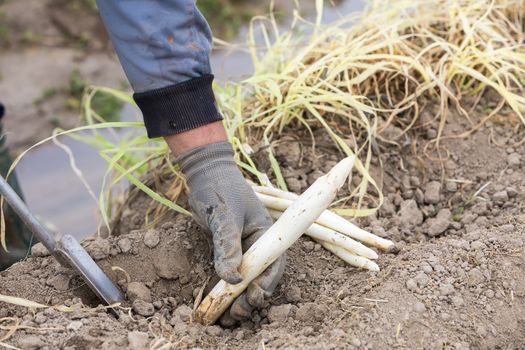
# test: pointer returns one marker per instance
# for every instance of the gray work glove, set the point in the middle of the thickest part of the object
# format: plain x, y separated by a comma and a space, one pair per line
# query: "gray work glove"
224, 203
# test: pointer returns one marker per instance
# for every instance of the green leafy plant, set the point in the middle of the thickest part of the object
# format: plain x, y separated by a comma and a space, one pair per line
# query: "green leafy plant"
227, 16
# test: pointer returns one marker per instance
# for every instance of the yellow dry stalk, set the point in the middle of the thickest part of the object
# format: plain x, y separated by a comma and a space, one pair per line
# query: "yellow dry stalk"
15, 326
10, 330
362, 77
30, 304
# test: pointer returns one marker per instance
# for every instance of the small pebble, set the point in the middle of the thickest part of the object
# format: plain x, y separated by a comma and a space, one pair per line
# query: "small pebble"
444, 316
151, 238
457, 300
432, 192
280, 313
355, 342
475, 277
39, 250
308, 246
419, 307
411, 285
293, 294
143, 308
138, 290
451, 186
124, 245
137, 340
74, 326
214, 331
427, 269
476, 245
446, 289
512, 192
40, 318
514, 160
422, 279
98, 248
30, 342
183, 312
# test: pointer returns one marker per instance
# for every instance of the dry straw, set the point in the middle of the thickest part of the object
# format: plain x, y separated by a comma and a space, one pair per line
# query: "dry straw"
356, 81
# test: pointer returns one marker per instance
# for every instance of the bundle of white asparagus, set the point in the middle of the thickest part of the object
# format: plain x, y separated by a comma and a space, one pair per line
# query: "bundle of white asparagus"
296, 215
332, 231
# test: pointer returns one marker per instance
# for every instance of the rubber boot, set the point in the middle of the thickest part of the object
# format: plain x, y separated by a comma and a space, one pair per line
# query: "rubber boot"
18, 238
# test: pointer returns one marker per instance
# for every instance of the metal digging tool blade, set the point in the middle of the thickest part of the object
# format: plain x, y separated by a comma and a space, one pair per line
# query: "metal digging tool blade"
65, 249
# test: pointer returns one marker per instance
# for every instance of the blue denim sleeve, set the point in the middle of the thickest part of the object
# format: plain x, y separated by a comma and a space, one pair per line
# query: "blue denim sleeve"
164, 48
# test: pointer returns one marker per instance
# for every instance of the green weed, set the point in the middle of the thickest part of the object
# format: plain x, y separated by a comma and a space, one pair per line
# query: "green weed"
457, 214
227, 16
29, 38
46, 94
103, 104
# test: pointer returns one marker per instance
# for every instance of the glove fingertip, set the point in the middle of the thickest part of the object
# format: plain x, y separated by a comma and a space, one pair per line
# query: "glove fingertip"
227, 320
231, 275
241, 309
255, 295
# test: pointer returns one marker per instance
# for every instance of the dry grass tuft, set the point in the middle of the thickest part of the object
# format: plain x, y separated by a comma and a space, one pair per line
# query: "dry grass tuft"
360, 76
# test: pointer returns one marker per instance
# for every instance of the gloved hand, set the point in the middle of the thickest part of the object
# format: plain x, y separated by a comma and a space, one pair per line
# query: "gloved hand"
224, 203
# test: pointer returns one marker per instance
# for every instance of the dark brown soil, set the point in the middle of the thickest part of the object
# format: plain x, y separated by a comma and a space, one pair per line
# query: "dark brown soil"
458, 281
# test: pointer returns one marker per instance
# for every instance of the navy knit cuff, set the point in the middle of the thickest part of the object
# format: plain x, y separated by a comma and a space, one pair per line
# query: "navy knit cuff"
178, 108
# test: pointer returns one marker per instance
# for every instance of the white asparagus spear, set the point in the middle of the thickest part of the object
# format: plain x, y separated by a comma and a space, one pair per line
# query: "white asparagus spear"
351, 259
276, 240
274, 192
316, 230
332, 221
325, 234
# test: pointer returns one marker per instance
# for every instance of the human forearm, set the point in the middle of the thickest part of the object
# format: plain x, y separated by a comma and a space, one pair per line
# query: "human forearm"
204, 135
164, 48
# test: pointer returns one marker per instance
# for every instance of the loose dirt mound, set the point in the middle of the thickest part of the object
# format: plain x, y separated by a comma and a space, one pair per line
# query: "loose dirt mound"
458, 281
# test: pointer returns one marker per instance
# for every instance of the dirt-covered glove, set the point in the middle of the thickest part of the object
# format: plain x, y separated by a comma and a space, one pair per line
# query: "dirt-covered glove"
224, 203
